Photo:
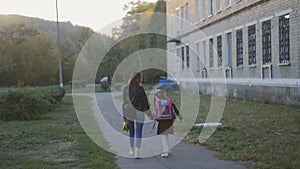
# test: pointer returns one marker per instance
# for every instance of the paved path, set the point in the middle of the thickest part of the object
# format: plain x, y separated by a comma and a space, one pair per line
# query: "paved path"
183, 156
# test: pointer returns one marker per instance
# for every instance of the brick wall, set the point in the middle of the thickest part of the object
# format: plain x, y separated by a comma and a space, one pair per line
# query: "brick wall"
239, 16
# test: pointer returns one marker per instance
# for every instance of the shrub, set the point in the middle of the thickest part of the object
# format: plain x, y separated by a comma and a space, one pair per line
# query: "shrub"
54, 92
29, 104
104, 86
23, 104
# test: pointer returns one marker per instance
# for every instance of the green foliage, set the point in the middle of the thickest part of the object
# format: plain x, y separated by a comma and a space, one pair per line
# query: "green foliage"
54, 92
28, 104
55, 142
105, 86
132, 37
28, 56
24, 104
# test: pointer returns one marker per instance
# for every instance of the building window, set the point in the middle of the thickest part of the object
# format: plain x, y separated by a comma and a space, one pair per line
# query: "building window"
218, 5
187, 48
197, 56
252, 45
284, 39
266, 42
210, 7
187, 18
182, 57
182, 19
204, 54
219, 49
211, 52
178, 50
227, 3
203, 8
196, 10
239, 48
177, 20
228, 50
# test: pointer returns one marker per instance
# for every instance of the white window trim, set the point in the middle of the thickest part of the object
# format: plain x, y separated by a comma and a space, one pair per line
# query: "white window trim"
220, 10
283, 12
239, 27
266, 19
219, 34
210, 37
228, 31
229, 6
251, 23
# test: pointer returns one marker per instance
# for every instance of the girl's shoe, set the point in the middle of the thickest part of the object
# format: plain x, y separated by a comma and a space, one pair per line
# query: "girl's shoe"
165, 155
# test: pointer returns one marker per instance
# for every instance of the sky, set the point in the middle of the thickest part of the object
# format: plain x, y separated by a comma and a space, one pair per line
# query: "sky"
95, 14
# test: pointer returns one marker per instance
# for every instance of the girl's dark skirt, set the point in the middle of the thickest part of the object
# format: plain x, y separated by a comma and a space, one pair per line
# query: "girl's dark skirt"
165, 127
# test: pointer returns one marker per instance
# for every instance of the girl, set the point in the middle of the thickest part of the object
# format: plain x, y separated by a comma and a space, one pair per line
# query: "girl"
165, 127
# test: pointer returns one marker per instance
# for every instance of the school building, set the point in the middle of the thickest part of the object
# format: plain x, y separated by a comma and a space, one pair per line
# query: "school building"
253, 45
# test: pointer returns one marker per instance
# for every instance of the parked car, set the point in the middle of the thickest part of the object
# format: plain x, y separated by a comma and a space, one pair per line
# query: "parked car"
167, 84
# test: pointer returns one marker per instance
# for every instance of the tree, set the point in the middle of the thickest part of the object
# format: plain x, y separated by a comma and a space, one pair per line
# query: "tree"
80, 36
28, 55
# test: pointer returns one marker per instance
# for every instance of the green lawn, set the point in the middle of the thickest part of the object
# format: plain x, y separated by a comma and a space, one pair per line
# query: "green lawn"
262, 136
56, 141
68, 89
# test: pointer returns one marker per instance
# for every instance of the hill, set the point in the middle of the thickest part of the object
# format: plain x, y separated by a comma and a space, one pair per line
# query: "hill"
45, 26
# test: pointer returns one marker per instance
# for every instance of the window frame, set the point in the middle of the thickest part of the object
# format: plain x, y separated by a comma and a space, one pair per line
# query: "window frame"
197, 19
219, 50
211, 52
267, 42
284, 38
239, 48
227, 4
203, 9
187, 56
252, 45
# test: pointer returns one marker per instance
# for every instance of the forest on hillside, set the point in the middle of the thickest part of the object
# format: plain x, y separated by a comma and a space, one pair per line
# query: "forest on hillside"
29, 55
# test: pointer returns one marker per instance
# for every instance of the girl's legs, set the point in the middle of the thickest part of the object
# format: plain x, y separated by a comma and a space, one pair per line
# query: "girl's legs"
165, 143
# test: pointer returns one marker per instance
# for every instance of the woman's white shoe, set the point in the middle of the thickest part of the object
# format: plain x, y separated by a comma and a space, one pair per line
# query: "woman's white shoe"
131, 153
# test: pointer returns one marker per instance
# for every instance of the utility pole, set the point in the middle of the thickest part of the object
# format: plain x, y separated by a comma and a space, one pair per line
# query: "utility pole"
61, 84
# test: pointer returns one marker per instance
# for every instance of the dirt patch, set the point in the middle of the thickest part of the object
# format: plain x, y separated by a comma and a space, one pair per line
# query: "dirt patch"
56, 151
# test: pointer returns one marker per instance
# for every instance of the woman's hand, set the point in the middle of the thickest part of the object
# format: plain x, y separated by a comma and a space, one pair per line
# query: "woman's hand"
150, 117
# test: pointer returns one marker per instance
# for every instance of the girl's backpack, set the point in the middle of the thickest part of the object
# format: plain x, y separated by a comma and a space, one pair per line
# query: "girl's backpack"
164, 110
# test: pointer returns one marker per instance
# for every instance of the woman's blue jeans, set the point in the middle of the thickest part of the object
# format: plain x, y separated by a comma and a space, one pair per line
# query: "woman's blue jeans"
136, 129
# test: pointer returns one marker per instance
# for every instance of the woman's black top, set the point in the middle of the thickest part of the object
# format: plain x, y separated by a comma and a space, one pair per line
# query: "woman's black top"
139, 99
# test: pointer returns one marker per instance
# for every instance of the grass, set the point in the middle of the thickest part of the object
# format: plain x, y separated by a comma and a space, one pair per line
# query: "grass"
262, 136
68, 89
56, 141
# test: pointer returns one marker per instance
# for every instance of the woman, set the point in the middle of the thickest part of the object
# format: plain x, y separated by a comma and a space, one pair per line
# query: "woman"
134, 96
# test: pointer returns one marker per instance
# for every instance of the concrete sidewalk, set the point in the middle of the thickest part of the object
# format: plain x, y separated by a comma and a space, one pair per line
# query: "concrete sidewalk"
182, 156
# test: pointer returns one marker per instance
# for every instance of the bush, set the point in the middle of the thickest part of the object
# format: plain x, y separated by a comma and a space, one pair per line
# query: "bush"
104, 86
29, 104
55, 93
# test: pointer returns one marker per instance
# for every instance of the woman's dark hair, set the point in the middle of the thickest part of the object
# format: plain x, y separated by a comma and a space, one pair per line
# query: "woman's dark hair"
135, 79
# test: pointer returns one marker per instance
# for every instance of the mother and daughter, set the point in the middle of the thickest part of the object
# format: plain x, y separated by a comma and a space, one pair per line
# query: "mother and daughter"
136, 106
